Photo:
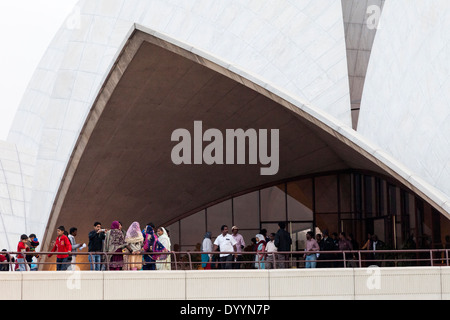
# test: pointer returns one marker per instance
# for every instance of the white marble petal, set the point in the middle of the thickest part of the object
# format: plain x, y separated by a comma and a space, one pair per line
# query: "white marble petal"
405, 105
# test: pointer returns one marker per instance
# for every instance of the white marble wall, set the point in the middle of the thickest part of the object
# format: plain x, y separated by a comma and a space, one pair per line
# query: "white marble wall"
406, 102
16, 176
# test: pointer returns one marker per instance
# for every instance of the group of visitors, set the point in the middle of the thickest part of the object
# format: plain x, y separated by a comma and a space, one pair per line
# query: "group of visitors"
23, 261
149, 249
338, 242
231, 248
114, 248
134, 249
268, 250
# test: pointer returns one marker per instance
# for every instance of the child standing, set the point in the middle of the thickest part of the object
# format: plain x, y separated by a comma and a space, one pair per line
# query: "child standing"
62, 246
22, 247
32, 243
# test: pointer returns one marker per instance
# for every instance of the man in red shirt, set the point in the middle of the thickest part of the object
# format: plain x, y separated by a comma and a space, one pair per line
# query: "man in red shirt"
22, 247
62, 244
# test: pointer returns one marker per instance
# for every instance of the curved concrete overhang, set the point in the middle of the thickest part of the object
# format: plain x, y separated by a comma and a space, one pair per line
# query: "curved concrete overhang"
121, 167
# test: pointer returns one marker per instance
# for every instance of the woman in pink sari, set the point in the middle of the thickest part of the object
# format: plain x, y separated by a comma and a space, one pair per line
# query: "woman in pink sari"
134, 240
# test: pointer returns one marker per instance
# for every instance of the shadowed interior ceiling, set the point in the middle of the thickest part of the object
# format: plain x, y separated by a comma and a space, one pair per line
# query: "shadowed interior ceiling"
125, 171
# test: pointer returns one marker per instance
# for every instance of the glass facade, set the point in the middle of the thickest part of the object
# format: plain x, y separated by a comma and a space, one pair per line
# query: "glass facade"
358, 203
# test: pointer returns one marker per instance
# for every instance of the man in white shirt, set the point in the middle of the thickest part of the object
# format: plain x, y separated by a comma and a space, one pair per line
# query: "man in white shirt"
226, 243
72, 234
271, 249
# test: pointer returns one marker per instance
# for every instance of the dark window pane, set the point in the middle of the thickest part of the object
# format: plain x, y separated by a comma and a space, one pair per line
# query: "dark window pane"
369, 196
193, 229
174, 234
412, 218
326, 194
246, 210
300, 200
393, 199
273, 204
381, 197
329, 222
218, 215
357, 194
345, 192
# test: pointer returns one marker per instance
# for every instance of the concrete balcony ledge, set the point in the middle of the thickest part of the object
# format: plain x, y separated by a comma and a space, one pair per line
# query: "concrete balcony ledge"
413, 283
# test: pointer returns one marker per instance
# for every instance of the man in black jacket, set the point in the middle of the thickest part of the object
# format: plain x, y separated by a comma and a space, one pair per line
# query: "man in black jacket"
377, 245
327, 245
283, 243
96, 238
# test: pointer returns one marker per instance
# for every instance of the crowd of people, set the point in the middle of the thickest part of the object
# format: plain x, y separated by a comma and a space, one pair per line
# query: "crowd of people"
23, 261
321, 250
150, 249
340, 242
232, 249
147, 249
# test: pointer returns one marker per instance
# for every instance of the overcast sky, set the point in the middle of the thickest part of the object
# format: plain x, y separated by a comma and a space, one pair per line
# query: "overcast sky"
26, 29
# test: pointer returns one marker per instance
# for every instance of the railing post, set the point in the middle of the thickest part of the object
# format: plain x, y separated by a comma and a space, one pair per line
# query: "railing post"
274, 260
175, 260
359, 259
190, 261
106, 261
431, 257
345, 262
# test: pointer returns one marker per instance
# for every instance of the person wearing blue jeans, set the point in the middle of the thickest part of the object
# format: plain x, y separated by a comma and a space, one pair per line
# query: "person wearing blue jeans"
62, 264
22, 265
310, 261
312, 247
95, 245
95, 260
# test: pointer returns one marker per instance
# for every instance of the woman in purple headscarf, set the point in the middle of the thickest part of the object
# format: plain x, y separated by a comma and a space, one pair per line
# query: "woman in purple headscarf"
152, 244
134, 240
115, 243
